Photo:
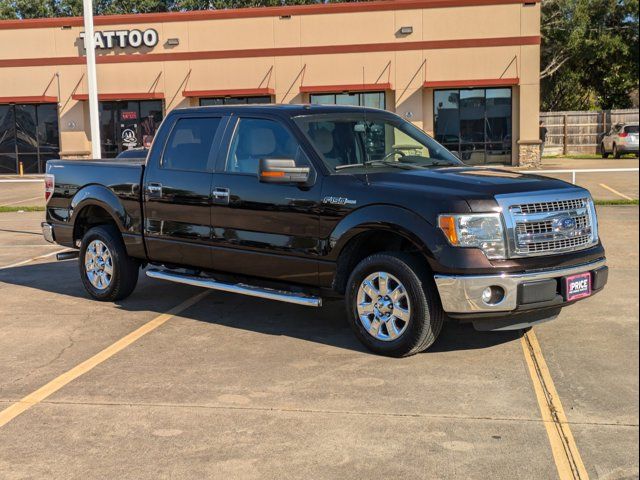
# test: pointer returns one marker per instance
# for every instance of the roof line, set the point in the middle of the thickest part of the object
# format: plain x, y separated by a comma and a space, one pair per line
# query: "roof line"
255, 12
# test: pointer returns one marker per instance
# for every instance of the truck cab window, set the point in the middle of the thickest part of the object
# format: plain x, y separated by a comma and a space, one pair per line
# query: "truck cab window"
190, 146
256, 138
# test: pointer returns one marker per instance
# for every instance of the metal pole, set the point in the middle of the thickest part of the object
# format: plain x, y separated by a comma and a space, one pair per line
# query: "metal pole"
90, 48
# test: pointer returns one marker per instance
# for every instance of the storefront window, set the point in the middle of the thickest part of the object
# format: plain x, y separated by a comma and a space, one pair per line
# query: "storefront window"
205, 102
29, 135
475, 123
360, 99
128, 124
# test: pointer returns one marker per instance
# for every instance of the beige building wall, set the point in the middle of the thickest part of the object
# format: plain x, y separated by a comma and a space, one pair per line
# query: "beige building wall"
454, 45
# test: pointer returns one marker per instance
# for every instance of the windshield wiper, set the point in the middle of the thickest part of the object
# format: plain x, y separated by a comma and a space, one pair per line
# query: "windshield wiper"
402, 166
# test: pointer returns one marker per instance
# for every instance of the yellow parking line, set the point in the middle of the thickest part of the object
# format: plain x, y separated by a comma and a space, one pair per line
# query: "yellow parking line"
57, 383
563, 446
626, 197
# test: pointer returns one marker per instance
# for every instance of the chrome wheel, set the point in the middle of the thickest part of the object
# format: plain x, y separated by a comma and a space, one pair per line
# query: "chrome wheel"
98, 265
383, 306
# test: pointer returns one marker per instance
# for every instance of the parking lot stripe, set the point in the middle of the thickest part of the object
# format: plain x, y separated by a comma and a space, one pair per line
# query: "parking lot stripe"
56, 384
613, 190
34, 259
563, 446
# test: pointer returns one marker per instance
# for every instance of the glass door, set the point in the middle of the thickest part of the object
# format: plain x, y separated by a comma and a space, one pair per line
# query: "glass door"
128, 124
475, 124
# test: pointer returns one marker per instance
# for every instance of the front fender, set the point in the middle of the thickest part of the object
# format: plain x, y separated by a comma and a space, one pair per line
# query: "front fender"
100, 196
384, 217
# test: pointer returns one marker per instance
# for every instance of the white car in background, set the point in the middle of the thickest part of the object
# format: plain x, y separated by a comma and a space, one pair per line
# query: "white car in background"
622, 139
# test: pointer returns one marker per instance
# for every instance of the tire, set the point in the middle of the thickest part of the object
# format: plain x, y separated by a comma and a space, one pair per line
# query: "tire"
107, 272
616, 153
605, 154
419, 303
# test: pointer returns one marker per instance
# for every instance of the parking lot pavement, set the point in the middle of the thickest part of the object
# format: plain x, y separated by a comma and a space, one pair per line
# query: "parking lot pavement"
21, 194
236, 387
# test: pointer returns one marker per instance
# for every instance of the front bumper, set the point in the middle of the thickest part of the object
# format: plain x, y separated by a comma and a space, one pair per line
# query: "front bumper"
462, 294
47, 232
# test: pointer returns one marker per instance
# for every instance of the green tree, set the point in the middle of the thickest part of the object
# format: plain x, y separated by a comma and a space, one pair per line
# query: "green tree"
589, 54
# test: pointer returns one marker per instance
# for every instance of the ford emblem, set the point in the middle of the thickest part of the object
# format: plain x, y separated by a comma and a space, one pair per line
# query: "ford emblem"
567, 223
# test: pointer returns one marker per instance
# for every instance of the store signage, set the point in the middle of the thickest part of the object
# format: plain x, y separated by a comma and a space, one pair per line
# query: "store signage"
111, 39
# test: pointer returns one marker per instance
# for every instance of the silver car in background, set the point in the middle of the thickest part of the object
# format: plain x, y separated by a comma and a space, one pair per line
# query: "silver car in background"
622, 139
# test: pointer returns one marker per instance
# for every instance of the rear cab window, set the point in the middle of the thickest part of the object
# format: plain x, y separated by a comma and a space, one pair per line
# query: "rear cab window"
191, 145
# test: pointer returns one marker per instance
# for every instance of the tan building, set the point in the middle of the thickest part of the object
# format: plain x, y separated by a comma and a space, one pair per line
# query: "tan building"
466, 71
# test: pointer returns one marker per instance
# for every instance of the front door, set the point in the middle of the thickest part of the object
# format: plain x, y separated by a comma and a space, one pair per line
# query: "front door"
264, 230
177, 192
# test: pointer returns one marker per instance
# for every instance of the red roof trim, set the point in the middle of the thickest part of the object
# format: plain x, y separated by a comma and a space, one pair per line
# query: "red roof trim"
280, 51
30, 99
352, 7
487, 82
237, 92
359, 87
121, 96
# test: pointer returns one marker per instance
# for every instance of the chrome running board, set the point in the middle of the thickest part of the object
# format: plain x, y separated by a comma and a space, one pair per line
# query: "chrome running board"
242, 289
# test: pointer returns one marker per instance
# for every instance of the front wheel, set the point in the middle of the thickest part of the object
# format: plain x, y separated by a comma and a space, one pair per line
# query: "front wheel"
107, 272
392, 305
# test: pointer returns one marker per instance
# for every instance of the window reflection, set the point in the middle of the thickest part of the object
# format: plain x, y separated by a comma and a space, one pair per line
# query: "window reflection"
475, 123
360, 99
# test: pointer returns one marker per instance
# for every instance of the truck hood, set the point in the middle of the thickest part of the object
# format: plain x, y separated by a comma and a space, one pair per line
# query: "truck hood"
470, 183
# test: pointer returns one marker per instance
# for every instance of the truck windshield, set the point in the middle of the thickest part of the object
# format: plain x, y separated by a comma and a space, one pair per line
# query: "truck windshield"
347, 141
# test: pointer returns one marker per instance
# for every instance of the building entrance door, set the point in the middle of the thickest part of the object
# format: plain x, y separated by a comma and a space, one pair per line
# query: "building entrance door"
128, 124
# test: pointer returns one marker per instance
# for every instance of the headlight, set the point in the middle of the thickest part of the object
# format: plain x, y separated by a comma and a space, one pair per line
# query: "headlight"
483, 231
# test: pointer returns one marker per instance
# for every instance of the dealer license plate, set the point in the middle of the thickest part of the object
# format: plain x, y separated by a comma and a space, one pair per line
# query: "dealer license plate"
577, 286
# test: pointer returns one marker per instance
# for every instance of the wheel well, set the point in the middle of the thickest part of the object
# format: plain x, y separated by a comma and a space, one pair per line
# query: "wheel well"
368, 243
89, 217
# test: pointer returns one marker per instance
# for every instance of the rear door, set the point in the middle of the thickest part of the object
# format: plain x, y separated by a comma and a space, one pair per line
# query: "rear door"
177, 191
264, 230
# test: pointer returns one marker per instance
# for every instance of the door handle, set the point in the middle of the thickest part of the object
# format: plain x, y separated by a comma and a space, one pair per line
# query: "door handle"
220, 195
154, 189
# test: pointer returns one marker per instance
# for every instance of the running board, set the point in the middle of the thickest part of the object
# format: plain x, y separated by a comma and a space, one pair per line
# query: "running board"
242, 289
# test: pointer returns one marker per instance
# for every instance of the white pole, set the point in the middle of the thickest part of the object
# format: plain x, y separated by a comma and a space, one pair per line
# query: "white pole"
90, 48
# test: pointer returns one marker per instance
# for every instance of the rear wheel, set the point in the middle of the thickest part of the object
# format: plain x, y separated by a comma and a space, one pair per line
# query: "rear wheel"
604, 152
392, 305
107, 272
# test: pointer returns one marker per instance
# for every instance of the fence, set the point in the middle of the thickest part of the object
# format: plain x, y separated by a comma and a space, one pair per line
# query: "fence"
581, 132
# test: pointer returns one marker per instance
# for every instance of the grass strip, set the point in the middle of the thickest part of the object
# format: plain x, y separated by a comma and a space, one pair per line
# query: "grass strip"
616, 202
21, 209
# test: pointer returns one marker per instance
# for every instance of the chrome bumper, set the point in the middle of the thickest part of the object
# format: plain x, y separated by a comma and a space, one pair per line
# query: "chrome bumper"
463, 293
47, 232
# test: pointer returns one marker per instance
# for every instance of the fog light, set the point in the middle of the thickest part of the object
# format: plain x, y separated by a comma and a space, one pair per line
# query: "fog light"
492, 295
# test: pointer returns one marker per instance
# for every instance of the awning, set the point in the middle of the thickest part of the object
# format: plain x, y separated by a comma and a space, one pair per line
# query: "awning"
121, 96
235, 92
30, 99
486, 82
358, 87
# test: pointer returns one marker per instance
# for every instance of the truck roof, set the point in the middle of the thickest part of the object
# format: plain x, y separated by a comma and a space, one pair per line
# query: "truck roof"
283, 109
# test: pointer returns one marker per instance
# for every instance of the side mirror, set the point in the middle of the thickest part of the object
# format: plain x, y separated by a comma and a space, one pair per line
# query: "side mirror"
282, 170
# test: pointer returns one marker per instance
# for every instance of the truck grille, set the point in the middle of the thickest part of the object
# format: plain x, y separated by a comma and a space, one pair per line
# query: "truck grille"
547, 227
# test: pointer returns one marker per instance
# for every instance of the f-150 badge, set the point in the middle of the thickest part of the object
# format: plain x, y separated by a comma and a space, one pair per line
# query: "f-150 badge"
338, 201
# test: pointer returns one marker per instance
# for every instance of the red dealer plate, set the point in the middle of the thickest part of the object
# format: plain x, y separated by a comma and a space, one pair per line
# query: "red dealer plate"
577, 286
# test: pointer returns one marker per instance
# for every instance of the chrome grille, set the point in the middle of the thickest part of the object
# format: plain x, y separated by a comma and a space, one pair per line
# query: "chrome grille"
543, 247
557, 206
562, 222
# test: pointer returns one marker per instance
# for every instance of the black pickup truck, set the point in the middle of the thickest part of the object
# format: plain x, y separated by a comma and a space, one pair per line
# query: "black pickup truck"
298, 203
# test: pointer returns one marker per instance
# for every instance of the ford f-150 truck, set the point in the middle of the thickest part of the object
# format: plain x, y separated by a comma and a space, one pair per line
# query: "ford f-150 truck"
301, 203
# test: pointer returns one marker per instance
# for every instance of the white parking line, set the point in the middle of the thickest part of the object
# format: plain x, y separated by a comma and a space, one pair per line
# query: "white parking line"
21, 201
34, 259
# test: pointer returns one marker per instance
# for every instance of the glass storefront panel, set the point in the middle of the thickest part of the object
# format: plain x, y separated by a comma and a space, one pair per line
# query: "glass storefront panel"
475, 123
361, 99
206, 102
29, 135
128, 124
